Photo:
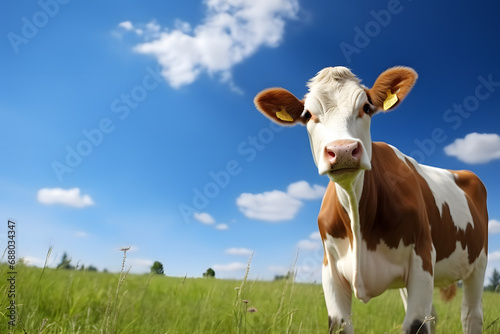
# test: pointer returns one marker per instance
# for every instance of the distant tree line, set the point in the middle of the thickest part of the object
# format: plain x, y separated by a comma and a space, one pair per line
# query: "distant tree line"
209, 273
289, 275
157, 268
66, 264
494, 281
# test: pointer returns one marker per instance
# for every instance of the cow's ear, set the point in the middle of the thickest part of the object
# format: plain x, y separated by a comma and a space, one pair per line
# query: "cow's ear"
391, 87
279, 105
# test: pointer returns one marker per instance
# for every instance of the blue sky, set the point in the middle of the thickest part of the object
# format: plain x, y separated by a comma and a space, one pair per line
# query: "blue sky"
133, 124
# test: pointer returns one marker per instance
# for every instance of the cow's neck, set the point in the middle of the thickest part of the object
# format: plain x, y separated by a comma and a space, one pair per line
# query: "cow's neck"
349, 191
349, 194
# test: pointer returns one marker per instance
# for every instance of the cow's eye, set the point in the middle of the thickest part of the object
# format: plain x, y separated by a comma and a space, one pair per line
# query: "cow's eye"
307, 115
366, 108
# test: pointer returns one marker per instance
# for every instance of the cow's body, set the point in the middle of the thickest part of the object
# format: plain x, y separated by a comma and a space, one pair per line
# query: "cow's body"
416, 224
386, 221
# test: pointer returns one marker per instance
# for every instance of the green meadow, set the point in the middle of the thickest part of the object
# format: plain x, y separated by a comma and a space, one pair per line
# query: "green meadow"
72, 301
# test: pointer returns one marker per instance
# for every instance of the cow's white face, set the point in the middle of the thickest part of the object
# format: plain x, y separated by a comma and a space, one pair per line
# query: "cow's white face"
339, 124
337, 112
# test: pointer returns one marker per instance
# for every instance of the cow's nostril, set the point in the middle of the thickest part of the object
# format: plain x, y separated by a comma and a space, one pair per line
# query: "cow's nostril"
330, 153
356, 153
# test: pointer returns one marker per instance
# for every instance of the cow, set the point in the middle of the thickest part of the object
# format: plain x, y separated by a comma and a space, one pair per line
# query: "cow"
386, 221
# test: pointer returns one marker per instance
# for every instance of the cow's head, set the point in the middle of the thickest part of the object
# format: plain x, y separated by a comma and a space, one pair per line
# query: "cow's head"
337, 112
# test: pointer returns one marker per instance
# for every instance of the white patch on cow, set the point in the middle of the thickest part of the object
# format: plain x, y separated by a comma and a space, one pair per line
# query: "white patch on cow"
455, 267
444, 189
381, 269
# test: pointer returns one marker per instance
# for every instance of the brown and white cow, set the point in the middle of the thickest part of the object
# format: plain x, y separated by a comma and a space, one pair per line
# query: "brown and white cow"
386, 221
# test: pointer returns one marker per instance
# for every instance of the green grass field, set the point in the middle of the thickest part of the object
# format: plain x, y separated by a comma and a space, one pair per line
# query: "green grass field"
68, 301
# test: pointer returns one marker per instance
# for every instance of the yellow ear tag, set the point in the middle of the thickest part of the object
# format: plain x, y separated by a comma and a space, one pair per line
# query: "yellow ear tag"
284, 116
390, 100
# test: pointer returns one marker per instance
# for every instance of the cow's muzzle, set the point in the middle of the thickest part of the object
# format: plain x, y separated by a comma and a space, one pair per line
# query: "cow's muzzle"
343, 155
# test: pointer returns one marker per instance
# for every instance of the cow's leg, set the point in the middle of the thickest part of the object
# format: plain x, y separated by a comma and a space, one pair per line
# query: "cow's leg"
404, 298
472, 310
420, 285
338, 300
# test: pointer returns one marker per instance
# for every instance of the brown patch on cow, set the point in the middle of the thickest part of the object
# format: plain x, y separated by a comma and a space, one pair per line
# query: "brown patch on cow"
443, 230
445, 233
448, 293
476, 198
332, 218
392, 207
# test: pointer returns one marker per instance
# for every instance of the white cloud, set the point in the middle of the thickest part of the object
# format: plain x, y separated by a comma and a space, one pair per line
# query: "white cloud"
138, 265
127, 25
302, 190
494, 256
272, 206
185, 27
139, 262
152, 29
315, 236
232, 31
308, 244
475, 148
204, 218
276, 205
234, 266
493, 226
207, 219
81, 234
239, 251
309, 265
149, 31
311, 244
70, 197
